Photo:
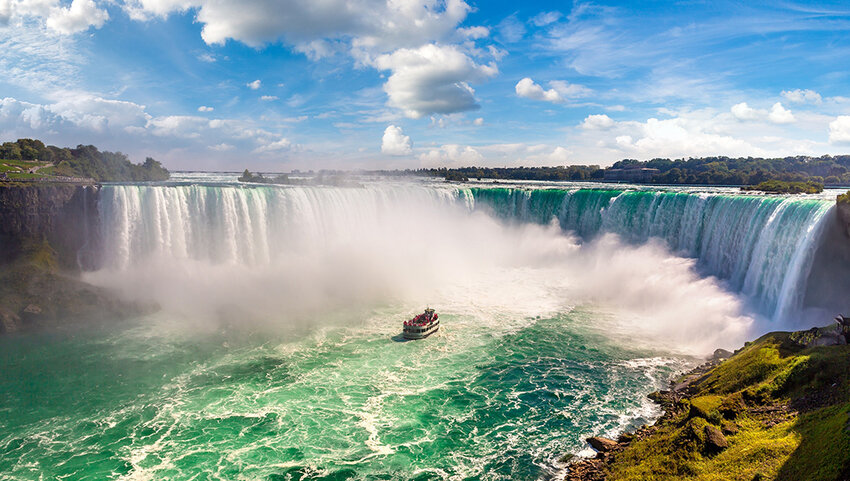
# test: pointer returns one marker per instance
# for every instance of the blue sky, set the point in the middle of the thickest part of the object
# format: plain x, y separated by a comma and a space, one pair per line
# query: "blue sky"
282, 84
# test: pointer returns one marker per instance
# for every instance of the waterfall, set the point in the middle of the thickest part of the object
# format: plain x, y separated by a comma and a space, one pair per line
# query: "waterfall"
761, 246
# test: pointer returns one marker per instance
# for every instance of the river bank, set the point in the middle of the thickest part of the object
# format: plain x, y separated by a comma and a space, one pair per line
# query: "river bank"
777, 409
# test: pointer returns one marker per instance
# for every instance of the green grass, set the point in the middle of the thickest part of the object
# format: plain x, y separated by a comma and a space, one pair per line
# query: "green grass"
783, 187
772, 371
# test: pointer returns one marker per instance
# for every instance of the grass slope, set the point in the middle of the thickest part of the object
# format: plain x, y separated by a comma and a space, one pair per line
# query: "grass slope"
784, 410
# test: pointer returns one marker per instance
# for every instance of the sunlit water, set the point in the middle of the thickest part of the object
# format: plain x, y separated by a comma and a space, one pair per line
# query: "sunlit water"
277, 355
499, 400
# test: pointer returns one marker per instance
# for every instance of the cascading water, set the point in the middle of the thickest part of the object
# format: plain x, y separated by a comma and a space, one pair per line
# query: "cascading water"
762, 246
275, 353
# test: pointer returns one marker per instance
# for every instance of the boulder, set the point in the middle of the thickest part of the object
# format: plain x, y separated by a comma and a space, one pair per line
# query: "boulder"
729, 428
714, 439
9, 321
721, 354
833, 335
603, 445
31, 313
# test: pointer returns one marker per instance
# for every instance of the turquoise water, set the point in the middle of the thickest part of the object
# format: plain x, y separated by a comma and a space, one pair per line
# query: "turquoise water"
477, 401
276, 355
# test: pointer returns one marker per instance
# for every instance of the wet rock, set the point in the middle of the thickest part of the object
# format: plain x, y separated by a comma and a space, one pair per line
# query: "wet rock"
31, 313
9, 321
714, 439
601, 444
821, 336
721, 354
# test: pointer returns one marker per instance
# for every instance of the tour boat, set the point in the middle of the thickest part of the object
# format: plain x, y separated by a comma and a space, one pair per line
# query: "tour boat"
422, 325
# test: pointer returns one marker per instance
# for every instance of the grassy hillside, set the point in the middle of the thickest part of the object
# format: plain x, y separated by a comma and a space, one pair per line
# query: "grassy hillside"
783, 411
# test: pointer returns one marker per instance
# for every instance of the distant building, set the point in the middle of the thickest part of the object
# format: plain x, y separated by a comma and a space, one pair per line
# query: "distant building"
633, 174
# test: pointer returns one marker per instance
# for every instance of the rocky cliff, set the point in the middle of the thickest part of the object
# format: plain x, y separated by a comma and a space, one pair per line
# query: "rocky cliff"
843, 211
63, 214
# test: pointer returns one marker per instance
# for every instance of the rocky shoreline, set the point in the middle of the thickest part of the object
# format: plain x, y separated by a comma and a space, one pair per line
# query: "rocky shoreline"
793, 387
593, 469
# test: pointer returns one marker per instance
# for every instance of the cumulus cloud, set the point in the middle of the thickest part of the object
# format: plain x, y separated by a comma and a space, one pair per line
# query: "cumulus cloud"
679, 136
801, 96
274, 146
81, 117
777, 113
371, 24
255, 85
451, 154
839, 130
780, 115
560, 90
742, 111
79, 16
269, 98
597, 122
528, 89
395, 142
432, 79
204, 108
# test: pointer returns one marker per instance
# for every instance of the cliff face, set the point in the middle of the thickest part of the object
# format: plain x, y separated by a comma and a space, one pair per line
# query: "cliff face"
63, 214
843, 211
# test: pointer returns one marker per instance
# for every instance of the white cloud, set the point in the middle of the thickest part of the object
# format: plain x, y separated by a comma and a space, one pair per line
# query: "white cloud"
742, 111
479, 121
432, 79
560, 90
679, 136
474, 32
839, 130
275, 146
801, 96
79, 16
546, 18
81, 117
222, 147
528, 89
780, 115
368, 24
597, 122
269, 98
395, 142
204, 108
451, 154
777, 113
255, 85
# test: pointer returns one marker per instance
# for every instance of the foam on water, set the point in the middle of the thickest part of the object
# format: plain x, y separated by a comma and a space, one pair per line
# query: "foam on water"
276, 356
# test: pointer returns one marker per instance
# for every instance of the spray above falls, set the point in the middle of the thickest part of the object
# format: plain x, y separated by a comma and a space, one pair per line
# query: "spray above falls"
289, 252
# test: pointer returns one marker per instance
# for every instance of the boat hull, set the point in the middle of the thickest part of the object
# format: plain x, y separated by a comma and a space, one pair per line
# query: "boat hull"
413, 333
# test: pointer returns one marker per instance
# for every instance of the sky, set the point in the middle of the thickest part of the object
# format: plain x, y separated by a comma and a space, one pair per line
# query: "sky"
275, 85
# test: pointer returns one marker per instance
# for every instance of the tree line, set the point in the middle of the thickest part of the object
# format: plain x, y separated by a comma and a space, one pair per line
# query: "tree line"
84, 161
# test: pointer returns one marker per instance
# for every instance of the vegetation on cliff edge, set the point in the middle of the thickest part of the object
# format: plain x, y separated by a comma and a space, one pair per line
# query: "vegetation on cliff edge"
784, 410
31, 159
782, 187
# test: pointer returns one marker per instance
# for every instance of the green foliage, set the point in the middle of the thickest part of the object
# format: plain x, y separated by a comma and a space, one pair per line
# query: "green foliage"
455, 176
771, 371
844, 198
706, 407
84, 161
783, 187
